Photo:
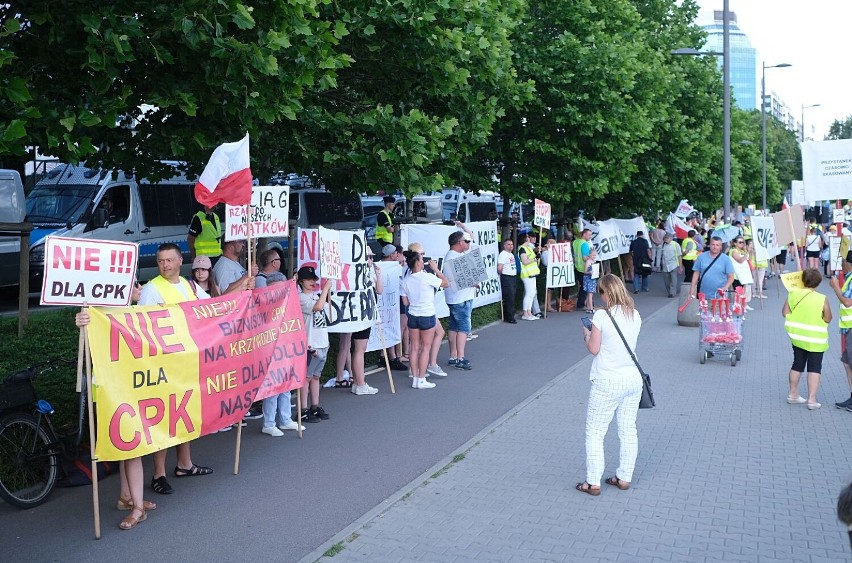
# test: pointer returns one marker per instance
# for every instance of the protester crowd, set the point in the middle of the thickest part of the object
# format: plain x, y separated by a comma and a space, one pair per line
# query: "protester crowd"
701, 260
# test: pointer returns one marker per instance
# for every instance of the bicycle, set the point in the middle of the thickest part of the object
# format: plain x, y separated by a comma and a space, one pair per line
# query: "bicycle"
30, 447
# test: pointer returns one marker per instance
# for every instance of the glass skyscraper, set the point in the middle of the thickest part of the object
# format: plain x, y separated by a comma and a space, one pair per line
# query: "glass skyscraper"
745, 77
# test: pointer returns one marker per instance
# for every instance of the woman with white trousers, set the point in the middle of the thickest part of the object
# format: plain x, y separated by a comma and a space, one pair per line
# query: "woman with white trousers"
616, 385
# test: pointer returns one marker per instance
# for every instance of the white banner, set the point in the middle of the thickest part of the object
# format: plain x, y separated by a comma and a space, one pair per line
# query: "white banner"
683, 209
353, 296
607, 239
629, 227
827, 169
330, 261
435, 245
765, 240
269, 211
388, 305
560, 265
542, 214
85, 271
797, 193
834, 253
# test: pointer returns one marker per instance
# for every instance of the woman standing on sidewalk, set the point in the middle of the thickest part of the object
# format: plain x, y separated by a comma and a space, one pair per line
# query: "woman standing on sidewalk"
616, 385
806, 317
419, 296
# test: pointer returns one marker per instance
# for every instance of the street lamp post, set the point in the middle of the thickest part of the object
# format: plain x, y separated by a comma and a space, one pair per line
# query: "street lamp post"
804, 107
763, 119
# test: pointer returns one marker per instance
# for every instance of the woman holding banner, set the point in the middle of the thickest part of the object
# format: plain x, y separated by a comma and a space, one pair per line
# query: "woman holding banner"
529, 271
418, 292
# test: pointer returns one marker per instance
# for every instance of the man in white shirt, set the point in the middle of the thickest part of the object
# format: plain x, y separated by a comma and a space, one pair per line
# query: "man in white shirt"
508, 271
229, 273
459, 299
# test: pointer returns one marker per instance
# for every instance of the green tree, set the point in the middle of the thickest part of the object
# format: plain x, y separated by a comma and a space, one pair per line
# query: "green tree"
126, 83
427, 81
840, 129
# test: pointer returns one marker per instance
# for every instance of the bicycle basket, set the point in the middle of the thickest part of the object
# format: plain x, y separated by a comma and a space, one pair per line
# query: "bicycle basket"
15, 394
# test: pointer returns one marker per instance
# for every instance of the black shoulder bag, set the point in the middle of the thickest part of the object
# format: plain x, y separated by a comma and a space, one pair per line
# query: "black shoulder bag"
701, 277
647, 401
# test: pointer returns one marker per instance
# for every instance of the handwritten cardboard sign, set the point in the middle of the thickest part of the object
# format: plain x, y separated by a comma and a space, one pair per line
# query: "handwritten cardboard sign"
542, 214
469, 269
331, 264
560, 265
267, 214
84, 271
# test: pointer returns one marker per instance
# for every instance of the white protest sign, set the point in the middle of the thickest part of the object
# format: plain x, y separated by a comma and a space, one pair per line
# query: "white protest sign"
269, 210
85, 271
330, 261
542, 214
765, 241
353, 301
388, 305
607, 239
834, 253
469, 269
827, 169
629, 228
838, 215
560, 265
797, 193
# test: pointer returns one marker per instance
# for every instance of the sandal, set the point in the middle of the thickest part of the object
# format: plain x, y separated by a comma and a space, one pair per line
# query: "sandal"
193, 471
127, 504
616, 482
160, 485
130, 521
343, 384
584, 487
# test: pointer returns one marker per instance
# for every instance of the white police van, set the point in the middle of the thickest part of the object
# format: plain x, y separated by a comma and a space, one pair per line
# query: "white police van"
75, 201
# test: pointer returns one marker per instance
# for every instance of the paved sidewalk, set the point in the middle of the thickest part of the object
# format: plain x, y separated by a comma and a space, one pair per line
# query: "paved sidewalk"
727, 471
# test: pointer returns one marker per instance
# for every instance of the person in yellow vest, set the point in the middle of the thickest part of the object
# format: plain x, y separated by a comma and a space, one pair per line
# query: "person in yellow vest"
689, 253
529, 271
384, 222
844, 295
205, 234
581, 247
806, 317
170, 288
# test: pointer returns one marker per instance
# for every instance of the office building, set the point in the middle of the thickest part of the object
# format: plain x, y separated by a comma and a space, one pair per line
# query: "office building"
745, 66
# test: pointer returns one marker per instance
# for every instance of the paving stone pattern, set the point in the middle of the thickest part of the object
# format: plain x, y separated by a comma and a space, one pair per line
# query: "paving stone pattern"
727, 471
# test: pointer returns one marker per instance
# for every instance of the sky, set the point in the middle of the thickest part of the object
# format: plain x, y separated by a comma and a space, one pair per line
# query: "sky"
814, 37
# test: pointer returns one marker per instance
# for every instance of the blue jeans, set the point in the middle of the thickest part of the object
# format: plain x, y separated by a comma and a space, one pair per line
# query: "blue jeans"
460, 316
276, 406
636, 278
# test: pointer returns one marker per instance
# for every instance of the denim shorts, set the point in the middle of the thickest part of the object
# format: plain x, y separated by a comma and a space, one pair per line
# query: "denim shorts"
460, 316
421, 323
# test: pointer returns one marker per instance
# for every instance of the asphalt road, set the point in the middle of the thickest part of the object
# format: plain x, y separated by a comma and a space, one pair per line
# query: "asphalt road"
292, 495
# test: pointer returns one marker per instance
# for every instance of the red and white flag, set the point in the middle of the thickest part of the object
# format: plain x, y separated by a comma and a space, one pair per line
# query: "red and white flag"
683, 208
785, 205
227, 176
675, 226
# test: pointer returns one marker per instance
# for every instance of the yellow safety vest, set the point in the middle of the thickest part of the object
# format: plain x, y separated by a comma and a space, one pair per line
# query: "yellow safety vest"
382, 233
208, 243
804, 325
692, 253
846, 312
170, 294
579, 263
529, 270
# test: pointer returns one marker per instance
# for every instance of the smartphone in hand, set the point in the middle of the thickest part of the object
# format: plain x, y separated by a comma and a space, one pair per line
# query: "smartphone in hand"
587, 322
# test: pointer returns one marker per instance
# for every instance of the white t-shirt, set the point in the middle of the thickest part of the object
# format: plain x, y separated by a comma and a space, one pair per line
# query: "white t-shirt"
453, 294
150, 295
508, 261
316, 323
420, 290
226, 272
613, 360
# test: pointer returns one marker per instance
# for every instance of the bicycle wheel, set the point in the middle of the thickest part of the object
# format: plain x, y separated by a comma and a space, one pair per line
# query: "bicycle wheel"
28, 462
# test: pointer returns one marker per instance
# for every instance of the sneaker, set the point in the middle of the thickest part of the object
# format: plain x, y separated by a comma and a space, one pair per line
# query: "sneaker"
290, 425
411, 375
272, 431
226, 429
308, 417
529, 318
749, 308
538, 315
472, 337
254, 413
452, 362
319, 412
463, 364
845, 404
395, 364
364, 390
436, 371
421, 383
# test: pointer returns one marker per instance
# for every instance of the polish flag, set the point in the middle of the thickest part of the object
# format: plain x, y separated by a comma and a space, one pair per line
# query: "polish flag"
227, 176
683, 208
676, 227
785, 205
